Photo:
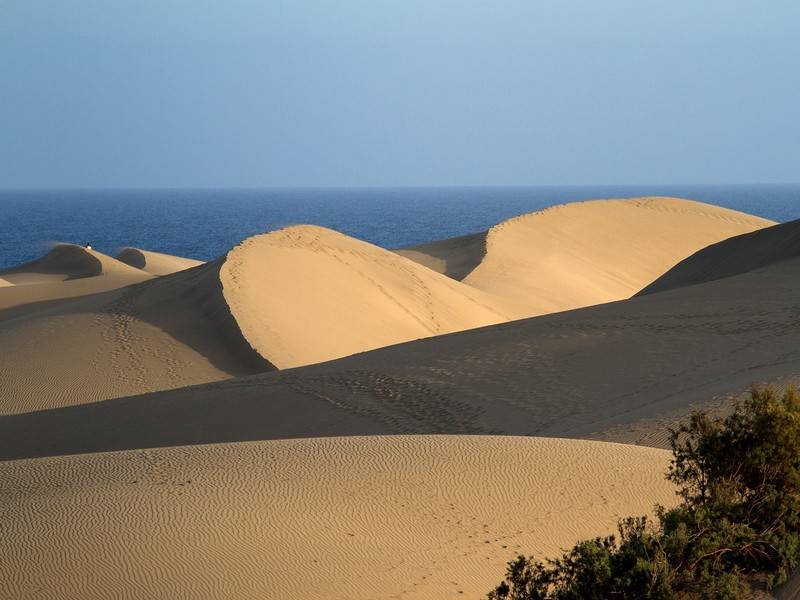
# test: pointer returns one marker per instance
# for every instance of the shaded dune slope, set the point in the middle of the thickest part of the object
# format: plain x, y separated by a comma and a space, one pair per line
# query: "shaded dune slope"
417, 517
455, 257
732, 256
163, 333
622, 371
156, 263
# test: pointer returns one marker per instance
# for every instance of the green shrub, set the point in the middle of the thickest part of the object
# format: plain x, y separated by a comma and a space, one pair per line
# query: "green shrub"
738, 521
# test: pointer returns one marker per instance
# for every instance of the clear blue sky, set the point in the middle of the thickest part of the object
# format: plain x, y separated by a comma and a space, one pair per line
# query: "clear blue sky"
162, 93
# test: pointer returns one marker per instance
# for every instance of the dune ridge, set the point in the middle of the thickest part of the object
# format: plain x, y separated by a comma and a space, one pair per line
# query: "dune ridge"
162, 333
417, 517
286, 286
584, 253
622, 371
66, 271
733, 256
163, 368
156, 263
305, 295
65, 262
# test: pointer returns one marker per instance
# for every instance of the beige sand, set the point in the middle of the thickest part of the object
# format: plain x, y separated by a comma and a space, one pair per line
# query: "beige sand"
733, 256
66, 262
586, 253
622, 371
357, 518
307, 294
164, 333
156, 263
286, 287
66, 271
299, 295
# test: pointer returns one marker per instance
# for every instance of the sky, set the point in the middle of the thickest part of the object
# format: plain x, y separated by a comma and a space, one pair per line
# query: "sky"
240, 93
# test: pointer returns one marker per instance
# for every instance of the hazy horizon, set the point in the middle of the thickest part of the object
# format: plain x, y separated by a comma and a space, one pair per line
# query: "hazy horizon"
357, 187
246, 94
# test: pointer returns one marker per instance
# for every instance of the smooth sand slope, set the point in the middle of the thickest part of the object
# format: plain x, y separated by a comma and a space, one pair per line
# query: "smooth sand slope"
307, 294
622, 371
156, 263
65, 271
733, 256
420, 517
583, 253
160, 334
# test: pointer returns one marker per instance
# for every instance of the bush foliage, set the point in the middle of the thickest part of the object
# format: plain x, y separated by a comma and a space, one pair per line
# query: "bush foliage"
738, 523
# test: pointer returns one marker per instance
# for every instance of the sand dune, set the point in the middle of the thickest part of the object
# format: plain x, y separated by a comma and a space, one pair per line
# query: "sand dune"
156, 263
307, 294
161, 334
412, 517
416, 516
286, 287
586, 253
66, 271
295, 296
65, 262
622, 371
733, 256
582, 253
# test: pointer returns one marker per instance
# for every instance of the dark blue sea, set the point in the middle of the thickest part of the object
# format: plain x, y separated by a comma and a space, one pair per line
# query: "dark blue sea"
205, 223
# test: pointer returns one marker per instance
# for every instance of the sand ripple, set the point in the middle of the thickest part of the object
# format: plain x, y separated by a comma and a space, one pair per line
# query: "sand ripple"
380, 517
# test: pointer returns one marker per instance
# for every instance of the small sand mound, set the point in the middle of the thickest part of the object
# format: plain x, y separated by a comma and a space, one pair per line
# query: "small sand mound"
733, 256
155, 262
62, 263
307, 294
417, 517
66, 271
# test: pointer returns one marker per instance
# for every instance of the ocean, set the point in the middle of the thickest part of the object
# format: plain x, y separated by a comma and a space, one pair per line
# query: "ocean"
204, 224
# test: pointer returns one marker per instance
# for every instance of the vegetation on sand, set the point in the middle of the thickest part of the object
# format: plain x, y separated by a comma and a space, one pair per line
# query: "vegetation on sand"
737, 526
